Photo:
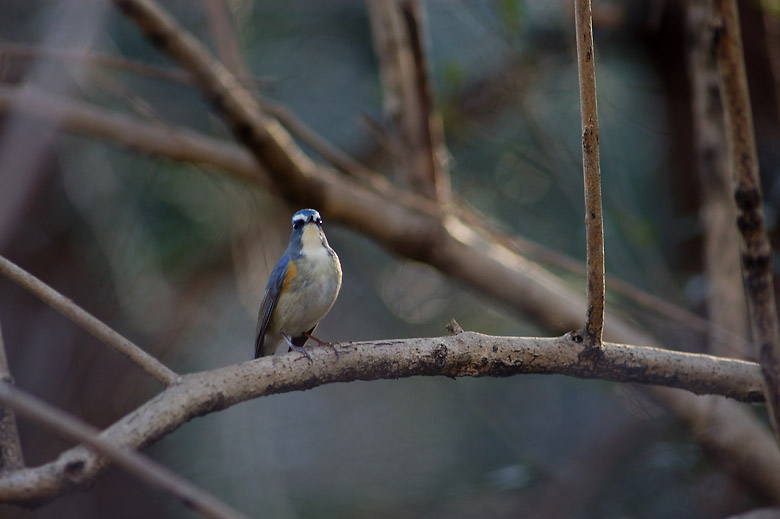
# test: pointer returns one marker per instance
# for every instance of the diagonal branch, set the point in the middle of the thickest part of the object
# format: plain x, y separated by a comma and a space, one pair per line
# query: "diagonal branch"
594, 226
466, 354
133, 462
88, 322
11, 457
756, 249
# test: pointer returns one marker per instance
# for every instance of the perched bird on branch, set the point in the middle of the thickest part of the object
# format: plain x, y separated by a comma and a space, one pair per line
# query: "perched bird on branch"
301, 289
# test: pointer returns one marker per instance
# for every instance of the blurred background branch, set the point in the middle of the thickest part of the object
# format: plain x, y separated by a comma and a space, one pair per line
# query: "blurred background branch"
11, 457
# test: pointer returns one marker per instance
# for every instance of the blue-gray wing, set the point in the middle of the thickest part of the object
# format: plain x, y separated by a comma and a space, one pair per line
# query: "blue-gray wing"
271, 296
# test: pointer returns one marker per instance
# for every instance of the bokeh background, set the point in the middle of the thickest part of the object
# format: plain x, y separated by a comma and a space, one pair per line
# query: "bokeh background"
175, 257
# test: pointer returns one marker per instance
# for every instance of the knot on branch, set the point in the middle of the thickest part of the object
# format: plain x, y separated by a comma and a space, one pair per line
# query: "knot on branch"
440, 355
454, 328
592, 351
74, 471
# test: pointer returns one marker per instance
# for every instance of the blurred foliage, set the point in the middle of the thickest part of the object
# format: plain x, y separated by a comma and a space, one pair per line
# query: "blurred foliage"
176, 257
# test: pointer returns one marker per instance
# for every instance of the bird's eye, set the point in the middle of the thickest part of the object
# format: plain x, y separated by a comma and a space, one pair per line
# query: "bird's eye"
297, 224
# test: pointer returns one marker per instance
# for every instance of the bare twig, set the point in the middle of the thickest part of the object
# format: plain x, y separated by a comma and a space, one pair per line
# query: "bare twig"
756, 249
89, 323
397, 30
316, 142
132, 461
11, 457
594, 323
464, 354
726, 305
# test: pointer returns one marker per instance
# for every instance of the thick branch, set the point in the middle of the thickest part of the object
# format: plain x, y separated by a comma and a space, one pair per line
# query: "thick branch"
133, 462
466, 354
11, 457
756, 249
586, 68
88, 322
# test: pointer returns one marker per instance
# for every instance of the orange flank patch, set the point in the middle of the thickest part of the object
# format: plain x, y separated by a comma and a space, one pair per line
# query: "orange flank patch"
291, 270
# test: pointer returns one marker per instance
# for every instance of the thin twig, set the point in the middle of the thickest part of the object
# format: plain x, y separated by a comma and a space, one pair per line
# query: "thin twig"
465, 354
586, 69
11, 457
315, 141
756, 249
132, 461
88, 322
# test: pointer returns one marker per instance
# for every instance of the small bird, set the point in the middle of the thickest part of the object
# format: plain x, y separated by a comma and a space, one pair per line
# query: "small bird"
301, 289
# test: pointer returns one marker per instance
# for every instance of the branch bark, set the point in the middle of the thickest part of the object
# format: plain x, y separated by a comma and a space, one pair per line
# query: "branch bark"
756, 249
11, 457
466, 354
132, 461
594, 227
88, 322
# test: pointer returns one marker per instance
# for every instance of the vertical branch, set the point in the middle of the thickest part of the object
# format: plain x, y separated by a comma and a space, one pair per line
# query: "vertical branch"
726, 305
586, 69
398, 35
756, 249
10, 447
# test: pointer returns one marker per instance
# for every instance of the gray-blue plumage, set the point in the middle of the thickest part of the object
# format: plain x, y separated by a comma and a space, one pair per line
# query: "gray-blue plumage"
301, 289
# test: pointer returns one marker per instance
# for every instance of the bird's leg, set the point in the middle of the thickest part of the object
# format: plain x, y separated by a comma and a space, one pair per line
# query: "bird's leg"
323, 343
299, 349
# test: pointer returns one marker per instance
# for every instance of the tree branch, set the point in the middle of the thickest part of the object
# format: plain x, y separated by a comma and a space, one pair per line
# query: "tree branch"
467, 354
88, 322
756, 249
11, 457
594, 227
133, 462
397, 30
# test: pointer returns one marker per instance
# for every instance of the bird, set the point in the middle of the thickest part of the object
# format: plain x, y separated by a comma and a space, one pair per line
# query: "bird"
301, 289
